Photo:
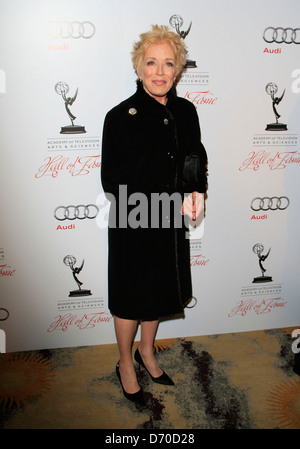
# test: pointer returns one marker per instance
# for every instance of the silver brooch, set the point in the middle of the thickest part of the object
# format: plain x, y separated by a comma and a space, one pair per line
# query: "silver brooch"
132, 111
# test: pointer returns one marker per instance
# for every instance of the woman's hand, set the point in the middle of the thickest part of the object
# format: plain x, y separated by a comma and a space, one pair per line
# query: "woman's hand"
193, 205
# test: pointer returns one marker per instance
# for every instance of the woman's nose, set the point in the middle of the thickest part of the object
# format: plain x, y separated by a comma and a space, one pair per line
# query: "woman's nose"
160, 69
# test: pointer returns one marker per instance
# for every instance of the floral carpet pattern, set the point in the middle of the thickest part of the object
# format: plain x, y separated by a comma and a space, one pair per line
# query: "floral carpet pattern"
231, 381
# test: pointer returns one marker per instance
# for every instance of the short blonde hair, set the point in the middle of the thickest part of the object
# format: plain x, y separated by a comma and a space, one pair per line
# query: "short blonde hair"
157, 35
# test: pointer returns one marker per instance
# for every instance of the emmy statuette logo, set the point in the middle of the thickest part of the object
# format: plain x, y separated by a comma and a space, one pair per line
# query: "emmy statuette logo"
258, 249
62, 89
271, 90
176, 22
70, 261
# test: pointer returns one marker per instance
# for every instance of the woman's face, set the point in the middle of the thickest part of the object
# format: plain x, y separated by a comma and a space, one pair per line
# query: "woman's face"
158, 70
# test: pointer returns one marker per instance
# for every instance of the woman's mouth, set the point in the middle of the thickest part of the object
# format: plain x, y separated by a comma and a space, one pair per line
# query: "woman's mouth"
159, 82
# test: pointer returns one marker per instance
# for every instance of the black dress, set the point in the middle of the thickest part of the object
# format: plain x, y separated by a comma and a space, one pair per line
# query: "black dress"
143, 150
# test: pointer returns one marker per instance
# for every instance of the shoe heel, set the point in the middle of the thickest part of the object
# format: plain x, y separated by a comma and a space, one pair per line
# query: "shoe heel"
164, 379
137, 397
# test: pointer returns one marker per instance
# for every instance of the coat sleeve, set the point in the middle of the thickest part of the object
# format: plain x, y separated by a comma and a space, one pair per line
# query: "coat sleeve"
197, 148
114, 158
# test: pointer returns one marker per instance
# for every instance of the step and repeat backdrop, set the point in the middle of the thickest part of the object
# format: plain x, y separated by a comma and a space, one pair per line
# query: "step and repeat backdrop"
63, 65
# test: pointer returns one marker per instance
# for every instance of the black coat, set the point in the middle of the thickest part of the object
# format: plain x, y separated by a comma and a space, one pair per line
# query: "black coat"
144, 146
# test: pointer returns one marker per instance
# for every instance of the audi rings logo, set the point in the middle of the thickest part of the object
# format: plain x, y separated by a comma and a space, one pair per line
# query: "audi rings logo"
80, 212
267, 203
282, 35
70, 30
4, 314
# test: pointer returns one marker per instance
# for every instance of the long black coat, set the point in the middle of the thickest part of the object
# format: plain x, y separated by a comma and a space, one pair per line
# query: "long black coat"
144, 146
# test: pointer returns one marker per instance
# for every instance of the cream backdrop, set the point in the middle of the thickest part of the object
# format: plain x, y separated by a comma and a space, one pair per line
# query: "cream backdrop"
51, 47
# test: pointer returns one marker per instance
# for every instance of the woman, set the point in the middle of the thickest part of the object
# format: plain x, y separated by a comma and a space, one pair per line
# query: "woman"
145, 141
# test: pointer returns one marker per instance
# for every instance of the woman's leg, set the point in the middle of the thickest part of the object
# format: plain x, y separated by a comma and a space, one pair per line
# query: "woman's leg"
148, 333
125, 333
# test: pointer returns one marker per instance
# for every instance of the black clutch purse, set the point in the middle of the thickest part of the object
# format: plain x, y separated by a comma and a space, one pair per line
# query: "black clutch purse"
191, 169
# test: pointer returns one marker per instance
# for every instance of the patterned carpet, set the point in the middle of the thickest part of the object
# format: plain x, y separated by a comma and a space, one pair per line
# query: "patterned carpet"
230, 381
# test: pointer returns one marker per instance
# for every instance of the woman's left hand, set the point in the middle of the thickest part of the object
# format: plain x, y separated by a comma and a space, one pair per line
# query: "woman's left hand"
193, 205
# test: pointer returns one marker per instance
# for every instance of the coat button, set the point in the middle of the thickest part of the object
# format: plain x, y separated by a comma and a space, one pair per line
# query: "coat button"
166, 121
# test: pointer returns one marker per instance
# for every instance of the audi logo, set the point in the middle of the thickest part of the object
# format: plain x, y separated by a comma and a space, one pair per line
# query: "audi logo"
80, 212
70, 30
282, 35
273, 203
4, 314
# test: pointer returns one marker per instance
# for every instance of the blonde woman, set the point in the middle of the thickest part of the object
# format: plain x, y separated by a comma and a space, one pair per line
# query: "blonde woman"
145, 141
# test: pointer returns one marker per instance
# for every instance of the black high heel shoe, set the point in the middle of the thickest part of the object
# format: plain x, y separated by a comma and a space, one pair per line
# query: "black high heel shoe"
137, 397
164, 379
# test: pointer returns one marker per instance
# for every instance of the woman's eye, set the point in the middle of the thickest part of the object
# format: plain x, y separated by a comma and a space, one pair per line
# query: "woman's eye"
170, 64
150, 62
